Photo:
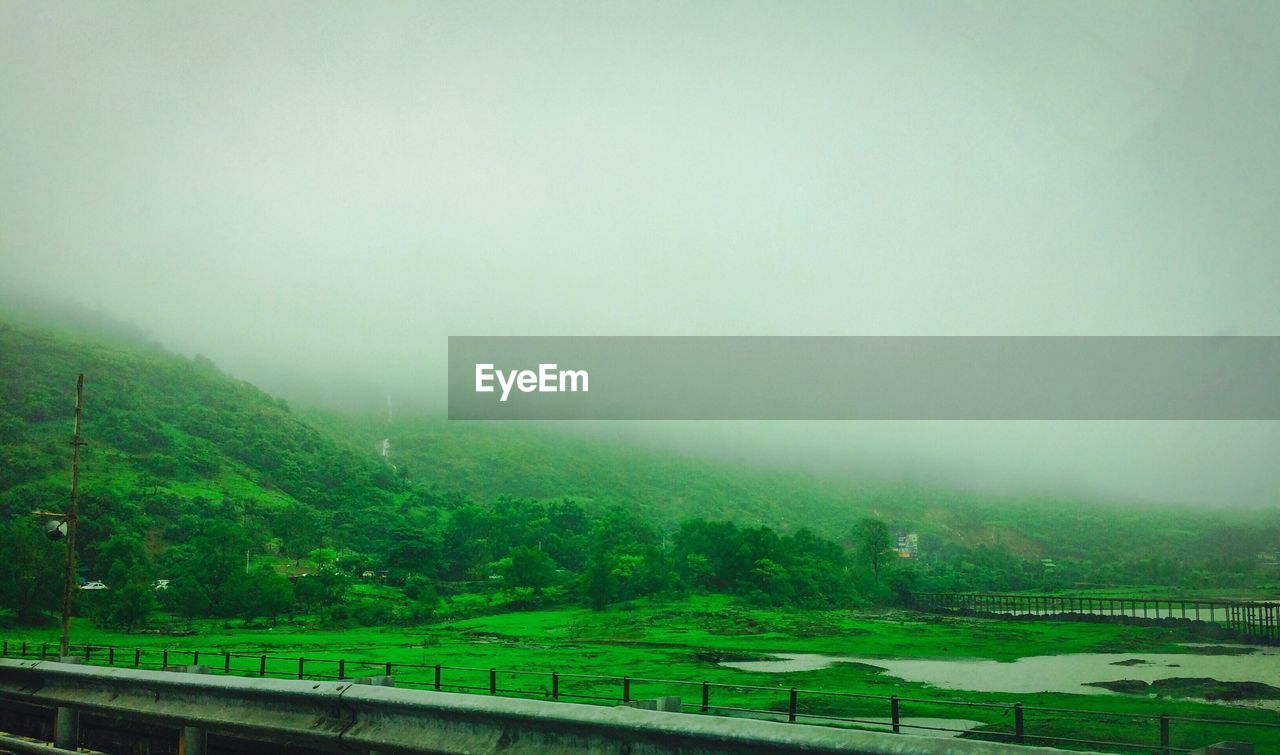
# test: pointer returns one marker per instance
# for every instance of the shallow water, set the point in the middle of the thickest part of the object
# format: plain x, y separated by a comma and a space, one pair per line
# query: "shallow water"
1045, 673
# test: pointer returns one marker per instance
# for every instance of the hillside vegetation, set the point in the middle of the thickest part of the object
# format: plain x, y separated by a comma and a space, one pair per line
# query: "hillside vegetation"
1104, 542
184, 468
168, 438
253, 510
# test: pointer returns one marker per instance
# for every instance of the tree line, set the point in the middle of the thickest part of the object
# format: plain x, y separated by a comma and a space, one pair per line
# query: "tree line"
531, 553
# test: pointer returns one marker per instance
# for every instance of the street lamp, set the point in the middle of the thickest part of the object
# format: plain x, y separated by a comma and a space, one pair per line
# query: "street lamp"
55, 529
62, 526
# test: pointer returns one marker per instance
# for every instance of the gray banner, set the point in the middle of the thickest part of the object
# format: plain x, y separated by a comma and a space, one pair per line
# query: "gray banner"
864, 377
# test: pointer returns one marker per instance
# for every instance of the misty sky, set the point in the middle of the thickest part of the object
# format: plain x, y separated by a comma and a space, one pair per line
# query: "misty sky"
316, 195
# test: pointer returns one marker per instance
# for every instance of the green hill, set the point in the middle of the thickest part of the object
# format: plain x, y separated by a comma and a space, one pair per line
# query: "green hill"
175, 446
484, 460
171, 442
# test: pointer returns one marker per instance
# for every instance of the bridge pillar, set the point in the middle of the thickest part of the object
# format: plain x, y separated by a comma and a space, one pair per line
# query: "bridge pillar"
387, 681
193, 740
66, 721
377, 681
669, 704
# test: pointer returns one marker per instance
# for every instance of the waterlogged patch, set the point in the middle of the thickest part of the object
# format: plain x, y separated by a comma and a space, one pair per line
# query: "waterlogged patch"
1193, 687
722, 656
786, 663
1210, 649
1129, 662
1070, 673
1127, 686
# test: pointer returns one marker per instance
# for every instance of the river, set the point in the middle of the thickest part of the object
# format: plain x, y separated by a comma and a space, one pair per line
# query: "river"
1045, 673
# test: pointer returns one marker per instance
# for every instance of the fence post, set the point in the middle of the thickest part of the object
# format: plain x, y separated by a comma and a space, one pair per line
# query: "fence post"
301, 661
1017, 723
893, 709
111, 655
555, 685
387, 669
626, 689
791, 706
88, 650
164, 660
437, 677
137, 657
262, 666
493, 681
24, 647
226, 663
706, 696
1164, 733
342, 668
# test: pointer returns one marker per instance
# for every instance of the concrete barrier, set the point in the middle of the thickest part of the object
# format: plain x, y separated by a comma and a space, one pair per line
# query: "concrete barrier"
9, 743
345, 716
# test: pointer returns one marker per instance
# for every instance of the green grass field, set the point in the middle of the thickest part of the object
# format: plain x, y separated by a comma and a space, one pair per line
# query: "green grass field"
681, 641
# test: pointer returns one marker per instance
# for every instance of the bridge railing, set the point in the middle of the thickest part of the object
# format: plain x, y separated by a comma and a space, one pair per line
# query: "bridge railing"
1250, 621
347, 717
1011, 722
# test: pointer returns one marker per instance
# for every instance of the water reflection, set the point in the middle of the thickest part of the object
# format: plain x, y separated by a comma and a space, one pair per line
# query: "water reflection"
1045, 673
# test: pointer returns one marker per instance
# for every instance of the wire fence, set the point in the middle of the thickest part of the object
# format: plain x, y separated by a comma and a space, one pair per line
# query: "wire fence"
999, 721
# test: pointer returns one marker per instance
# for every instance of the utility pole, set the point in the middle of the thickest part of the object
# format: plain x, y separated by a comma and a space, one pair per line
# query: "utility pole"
70, 574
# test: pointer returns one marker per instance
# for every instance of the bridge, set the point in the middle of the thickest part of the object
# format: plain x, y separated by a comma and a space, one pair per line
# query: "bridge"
122, 694
1248, 621
305, 717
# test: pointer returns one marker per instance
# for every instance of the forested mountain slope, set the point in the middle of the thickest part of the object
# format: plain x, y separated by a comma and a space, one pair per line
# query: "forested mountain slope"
181, 454
484, 459
172, 444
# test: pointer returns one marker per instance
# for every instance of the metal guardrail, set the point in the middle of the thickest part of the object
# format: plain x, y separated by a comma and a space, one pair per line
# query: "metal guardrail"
1250, 621
345, 716
1017, 723
9, 743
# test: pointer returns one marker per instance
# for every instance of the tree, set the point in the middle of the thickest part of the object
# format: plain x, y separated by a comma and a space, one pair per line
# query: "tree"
129, 599
423, 600
707, 553
30, 572
874, 544
903, 582
203, 570
260, 593
768, 583
301, 529
529, 567
322, 592
413, 551
123, 549
323, 557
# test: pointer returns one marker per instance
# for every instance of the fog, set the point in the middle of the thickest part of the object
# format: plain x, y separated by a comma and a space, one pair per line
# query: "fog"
316, 196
